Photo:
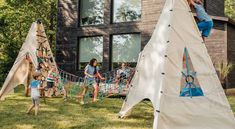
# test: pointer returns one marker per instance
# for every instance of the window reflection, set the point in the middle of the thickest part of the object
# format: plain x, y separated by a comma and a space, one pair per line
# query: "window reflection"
126, 49
90, 47
126, 10
92, 12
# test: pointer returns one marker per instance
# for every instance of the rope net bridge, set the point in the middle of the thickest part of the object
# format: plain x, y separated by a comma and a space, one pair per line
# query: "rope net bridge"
113, 85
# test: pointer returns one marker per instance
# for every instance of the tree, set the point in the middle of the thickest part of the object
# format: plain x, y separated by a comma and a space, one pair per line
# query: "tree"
230, 8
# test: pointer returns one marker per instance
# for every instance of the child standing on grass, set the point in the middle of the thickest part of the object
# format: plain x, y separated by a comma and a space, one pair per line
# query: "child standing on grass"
35, 93
91, 74
205, 24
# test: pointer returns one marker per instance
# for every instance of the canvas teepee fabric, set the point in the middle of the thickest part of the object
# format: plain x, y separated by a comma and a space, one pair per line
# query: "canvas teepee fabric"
20, 69
34, 51
199, 102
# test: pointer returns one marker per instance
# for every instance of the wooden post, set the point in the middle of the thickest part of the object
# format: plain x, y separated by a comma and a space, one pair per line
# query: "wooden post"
28, 79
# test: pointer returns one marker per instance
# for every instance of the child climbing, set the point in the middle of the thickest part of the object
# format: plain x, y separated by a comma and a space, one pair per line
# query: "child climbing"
41, 63
91, 74
35, 94
205, 21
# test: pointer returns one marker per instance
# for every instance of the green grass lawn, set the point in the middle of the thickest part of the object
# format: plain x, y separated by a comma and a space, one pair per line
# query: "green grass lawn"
232, 102
56, 114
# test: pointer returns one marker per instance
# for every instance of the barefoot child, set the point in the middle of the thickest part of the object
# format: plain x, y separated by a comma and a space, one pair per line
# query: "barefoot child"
35, 94
91, 73
205, 24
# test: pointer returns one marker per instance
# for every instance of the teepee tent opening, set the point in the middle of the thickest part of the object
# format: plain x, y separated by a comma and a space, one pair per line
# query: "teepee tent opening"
200, 103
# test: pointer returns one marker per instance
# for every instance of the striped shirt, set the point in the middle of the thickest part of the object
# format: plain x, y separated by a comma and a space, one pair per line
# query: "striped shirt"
51, 76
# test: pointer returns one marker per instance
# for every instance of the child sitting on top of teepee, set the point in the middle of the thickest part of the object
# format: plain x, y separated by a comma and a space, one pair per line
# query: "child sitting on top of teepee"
205, 22
35, 86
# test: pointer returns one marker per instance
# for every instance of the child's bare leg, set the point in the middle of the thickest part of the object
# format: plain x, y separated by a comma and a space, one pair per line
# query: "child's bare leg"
54, 90
127, 83
95, 92
117, 82
203, 38
65, 94
83, 94
49, 92
30, 108
36, 109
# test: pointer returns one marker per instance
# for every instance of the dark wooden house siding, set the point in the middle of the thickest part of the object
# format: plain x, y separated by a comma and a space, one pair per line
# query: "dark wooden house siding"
231, 53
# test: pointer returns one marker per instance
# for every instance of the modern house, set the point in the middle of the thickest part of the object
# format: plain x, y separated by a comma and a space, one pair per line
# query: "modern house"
115, 31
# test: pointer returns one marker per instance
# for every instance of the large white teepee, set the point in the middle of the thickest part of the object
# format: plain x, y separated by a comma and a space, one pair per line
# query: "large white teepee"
35, 46
160, 70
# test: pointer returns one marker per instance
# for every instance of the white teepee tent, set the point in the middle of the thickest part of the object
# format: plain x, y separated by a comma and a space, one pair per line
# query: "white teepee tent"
160, 70
28, 56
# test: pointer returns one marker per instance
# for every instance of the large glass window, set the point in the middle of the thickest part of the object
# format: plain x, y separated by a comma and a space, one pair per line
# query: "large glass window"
90, 47
126, 49
91, 12
126, 10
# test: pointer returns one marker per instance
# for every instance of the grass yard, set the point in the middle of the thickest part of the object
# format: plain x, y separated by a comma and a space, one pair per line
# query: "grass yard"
232, 102
56, 114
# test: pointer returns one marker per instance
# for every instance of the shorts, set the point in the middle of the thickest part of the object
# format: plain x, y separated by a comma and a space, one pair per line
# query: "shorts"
205, 27
36, 100
50, 85
89, 82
